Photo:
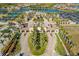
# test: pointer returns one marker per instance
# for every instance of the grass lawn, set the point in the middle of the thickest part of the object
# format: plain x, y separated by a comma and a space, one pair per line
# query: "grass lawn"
59, 47
74, 32
37, 42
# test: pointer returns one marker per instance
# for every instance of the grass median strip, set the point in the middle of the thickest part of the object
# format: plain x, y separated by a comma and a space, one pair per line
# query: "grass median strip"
59, 47
37, 42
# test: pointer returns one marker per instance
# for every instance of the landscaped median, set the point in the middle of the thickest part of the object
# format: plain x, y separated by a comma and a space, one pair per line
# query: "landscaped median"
37, 42
59, 47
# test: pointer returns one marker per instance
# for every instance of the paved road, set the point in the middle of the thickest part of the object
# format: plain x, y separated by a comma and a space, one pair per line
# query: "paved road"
24, 41
50, 50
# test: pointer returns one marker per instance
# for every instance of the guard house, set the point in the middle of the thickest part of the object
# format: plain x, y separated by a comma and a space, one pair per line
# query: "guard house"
24, 27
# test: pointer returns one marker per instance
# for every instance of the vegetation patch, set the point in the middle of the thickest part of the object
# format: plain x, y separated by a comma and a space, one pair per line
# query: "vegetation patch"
37, 42
73, 31
59, 47
13, 45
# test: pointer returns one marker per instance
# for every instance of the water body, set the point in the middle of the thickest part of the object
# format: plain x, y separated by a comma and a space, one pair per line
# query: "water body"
14, 14
24, 9
46, 10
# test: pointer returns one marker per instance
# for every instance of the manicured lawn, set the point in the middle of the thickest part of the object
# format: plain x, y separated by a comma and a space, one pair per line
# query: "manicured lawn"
59, 47
37, 42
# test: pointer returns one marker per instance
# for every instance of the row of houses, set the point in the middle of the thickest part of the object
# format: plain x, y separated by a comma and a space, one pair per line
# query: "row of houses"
67, 22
